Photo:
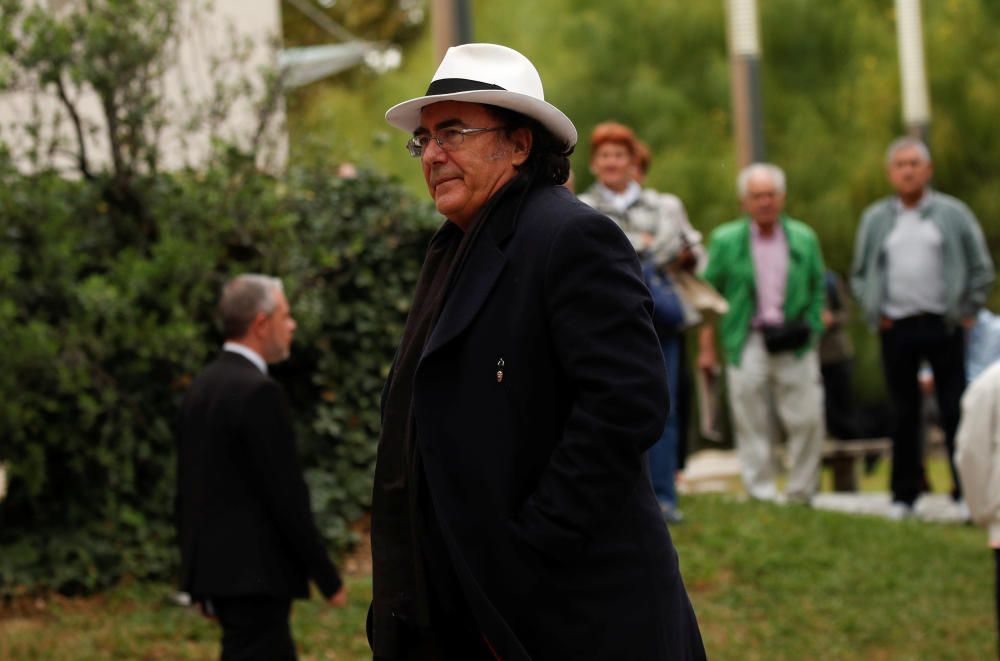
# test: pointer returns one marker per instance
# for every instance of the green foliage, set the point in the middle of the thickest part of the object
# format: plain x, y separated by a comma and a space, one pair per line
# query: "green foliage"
110, 281
830, 98
114, 48
831, 102
359, 247
100, 338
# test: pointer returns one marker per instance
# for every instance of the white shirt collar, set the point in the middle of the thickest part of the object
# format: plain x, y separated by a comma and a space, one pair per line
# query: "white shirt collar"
924, 201
620, 202
247, 353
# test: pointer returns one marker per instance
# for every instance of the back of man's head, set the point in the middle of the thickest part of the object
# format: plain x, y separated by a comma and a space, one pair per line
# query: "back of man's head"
243, 298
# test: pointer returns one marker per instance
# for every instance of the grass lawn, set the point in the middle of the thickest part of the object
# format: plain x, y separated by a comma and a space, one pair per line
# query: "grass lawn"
771, 582
767, 582
136, 621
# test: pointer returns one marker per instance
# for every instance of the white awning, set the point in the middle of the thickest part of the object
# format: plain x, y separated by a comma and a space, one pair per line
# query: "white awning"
301, 66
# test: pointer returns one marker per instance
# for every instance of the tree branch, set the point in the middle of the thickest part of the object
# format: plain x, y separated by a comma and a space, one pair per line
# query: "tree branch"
74, 116
267, 109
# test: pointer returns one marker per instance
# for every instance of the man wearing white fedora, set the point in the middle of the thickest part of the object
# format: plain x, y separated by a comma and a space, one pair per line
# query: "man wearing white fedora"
511, 515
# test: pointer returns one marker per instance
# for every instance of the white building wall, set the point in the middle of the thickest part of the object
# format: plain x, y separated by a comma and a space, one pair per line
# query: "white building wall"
207, 33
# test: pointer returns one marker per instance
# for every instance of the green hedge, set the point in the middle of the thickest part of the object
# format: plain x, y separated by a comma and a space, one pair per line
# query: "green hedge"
107, 312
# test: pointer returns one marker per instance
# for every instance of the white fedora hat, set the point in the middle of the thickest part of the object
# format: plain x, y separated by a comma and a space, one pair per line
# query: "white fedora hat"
486, 73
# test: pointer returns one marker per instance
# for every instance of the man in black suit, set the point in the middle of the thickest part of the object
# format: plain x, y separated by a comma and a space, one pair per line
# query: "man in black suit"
248, 541
512, 515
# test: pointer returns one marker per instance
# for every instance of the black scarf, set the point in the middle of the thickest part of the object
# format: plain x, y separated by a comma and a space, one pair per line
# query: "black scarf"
400, 505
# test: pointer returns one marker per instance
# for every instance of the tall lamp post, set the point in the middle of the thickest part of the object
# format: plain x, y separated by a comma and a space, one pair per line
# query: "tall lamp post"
912, 73
744, 68
451, 24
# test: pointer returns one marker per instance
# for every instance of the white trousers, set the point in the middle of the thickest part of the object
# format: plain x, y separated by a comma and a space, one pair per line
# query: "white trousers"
783, 389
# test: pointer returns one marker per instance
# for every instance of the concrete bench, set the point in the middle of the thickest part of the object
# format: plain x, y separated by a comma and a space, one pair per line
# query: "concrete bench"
842, 457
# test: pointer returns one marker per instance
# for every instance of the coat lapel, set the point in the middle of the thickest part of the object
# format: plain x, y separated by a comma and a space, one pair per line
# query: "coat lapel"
484, 264
469, 293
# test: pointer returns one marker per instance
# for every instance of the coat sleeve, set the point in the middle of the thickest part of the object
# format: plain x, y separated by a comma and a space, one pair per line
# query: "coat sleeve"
859, 262
271, 446
600, 323
979, 266
692, 236
674, 233
817, 287
715, 267
977, 452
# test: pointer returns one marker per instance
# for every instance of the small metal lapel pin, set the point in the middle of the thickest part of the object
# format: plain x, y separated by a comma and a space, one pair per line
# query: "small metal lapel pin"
500, 370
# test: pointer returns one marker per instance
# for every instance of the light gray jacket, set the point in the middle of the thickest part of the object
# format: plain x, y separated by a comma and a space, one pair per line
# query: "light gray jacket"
661, 215
966, 264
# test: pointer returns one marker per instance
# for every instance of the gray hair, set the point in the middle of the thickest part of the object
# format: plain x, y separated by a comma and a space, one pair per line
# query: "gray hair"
776, 174
243, 298
907, 142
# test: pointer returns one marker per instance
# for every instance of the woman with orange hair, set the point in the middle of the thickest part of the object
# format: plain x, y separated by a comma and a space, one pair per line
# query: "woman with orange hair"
661, 234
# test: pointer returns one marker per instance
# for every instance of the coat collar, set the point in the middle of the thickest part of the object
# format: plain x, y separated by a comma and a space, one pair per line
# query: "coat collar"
246, 352
923, 206
482, 265
795, 249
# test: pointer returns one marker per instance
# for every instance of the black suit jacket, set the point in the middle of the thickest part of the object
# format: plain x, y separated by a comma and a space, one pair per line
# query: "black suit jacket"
537, 477
244, 518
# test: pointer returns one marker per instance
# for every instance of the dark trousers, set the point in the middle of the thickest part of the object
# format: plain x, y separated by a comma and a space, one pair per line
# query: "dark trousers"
255, 628
904, 346
837, 396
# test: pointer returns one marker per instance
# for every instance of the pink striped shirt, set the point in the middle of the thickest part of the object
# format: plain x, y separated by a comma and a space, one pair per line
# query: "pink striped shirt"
770, 267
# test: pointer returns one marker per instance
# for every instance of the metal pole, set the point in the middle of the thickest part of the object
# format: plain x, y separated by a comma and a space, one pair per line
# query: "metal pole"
912, 73
744, 67
451, 23
443, 26
463, 20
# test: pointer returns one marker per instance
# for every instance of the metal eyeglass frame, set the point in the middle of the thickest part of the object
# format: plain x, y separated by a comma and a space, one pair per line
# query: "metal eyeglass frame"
448, 139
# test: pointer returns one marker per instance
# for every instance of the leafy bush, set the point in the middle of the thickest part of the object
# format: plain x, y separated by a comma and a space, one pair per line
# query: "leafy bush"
103, 324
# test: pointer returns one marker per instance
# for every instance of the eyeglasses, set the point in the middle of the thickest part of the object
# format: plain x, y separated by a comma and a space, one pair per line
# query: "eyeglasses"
448, 139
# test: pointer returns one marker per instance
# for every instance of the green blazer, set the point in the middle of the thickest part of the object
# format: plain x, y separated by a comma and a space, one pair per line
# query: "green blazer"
730, 270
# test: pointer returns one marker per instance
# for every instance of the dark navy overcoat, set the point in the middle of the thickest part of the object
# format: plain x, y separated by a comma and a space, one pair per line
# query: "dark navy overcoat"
537, 474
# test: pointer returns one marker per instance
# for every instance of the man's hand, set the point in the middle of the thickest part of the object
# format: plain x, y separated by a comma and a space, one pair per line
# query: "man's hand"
884, 323
968, 322
827, 317
707, 360
339, 599
207, 610
686, 260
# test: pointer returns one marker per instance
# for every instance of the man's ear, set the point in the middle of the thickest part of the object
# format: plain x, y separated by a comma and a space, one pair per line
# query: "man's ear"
520, 139
257, 325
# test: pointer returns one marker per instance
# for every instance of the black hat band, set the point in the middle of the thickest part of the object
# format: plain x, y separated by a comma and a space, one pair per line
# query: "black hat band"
453, 85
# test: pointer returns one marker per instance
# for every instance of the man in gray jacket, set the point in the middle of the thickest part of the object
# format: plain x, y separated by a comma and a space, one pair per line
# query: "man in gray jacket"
921, 272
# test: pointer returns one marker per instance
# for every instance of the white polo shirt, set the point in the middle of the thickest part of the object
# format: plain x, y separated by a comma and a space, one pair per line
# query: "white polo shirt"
914, 266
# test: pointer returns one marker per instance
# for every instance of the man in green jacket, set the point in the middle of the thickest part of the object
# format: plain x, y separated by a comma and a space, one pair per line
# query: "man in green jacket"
921, 272
770, 269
